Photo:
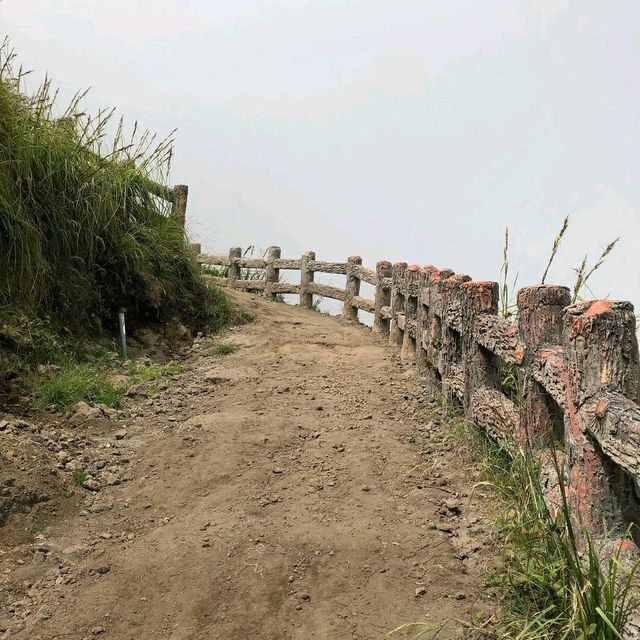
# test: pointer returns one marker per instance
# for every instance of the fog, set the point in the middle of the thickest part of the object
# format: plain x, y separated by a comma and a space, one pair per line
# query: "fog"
413, 129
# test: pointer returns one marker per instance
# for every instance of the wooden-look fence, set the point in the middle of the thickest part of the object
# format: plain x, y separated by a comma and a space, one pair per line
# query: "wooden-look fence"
176, 195
270, 285
562, 377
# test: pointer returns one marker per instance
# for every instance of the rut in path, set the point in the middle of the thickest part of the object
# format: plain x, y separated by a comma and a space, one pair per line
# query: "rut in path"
294, 489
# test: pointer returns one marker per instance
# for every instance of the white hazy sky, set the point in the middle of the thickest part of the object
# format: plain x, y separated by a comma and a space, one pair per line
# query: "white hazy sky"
404, 129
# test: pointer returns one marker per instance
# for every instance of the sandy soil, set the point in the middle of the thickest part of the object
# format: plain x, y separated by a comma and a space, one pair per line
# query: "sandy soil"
303, 487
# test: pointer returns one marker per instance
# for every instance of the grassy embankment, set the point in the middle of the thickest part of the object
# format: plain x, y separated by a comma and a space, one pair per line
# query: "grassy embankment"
82, 234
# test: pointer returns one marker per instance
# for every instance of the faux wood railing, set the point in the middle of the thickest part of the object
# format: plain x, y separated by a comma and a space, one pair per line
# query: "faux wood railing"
176, 195
270, 285
575, 371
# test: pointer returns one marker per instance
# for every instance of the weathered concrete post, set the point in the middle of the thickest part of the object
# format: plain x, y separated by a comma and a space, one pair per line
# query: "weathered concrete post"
272, 275
235, 254
422, 320
451, 363
352, 289
382, 297
397, 302
414, 279
434, 342
540, 313
306, 278
479, 369
602, 354
181, 194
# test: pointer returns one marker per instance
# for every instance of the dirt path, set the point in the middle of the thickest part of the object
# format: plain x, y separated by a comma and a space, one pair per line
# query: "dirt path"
295, 489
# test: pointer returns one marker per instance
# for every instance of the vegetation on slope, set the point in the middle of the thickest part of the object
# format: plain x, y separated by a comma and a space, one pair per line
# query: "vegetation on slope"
81, 231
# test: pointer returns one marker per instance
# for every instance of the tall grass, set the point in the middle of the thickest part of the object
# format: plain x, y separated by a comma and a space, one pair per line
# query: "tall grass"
556, 583
508, 308
81, 231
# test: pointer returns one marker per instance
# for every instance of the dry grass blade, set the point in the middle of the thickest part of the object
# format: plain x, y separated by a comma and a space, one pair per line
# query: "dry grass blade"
506, 307
556, 246
607, 250
583, 274
504, 274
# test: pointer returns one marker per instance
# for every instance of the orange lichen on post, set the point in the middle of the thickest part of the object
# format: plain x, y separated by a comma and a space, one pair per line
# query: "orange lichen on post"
597, 307
483, 292
518, 354
601, 408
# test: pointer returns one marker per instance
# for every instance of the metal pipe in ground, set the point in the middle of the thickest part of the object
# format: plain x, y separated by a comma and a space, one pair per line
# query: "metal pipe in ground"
123, 333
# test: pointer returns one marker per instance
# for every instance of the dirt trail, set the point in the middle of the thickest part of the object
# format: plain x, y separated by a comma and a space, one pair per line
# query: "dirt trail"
295, 489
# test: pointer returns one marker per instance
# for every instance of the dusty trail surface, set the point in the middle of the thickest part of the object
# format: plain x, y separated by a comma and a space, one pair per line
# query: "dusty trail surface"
302, 487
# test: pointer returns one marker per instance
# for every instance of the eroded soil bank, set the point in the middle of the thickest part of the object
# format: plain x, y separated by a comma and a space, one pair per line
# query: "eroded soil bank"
305, 486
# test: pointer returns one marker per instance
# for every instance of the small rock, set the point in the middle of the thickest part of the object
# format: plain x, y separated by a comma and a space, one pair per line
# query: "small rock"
452, 505
91, 484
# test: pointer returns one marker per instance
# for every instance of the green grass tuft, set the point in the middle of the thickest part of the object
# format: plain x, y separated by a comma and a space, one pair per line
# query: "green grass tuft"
80, 476
217, 348
70, 383
141, 373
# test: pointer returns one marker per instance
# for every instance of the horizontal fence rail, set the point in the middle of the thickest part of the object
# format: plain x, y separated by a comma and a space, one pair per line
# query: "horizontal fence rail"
561, 378
269, 283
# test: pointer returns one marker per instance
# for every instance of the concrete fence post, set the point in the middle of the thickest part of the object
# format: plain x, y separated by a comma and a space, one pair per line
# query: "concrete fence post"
397, 302
352, 289
235, 255
422, 321
435, 330
306, 278
414, 279
271, 274
479, 367
450, 363
540, 313
602, 355
382, 297
181, 194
